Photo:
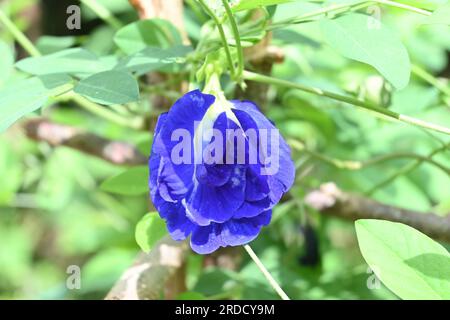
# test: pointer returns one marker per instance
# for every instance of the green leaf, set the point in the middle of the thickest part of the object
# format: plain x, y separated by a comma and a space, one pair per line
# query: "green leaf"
52, 44
358, 37
132, 182
152, 58
72, 61
109, 87
29, 95
149, 230
408, 262
147, 33
440, 16
253, 4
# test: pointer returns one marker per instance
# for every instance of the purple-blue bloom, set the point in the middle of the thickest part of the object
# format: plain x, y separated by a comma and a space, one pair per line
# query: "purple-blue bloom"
221, 203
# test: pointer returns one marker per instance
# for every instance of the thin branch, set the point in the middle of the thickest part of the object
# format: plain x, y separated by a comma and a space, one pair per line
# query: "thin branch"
330, 200
237, 39
358, 165
405, 169
102, 111
404, 7
266, 273
147, 277
116, 152
336, 8
428, 77
353, 101
19, 35
222, 35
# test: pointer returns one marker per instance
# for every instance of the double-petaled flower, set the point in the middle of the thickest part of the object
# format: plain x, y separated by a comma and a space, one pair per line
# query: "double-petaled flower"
217, 168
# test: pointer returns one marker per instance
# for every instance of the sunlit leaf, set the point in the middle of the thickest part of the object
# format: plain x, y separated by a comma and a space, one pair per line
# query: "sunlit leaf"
29, 95
408, 262
365, 39
149, 230
132, 182
72, 61
147, 33
152, 58
109, 87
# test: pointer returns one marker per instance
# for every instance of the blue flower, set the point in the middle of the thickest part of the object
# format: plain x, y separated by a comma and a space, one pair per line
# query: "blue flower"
217, 168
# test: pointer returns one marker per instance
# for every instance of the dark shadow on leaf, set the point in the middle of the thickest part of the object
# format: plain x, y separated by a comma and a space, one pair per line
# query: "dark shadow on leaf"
432, 265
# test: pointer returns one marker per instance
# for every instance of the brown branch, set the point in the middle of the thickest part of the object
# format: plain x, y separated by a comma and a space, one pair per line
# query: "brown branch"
116, 152
148, 276
330, 200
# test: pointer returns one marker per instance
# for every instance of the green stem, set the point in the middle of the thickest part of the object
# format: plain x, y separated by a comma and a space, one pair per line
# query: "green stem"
103, 13
102, 112
334, 8
266, 273
358, 165
428, 77
198, 12
19, 35
404, 7
356, 102
405, 170
237, 38
222, 36
309, 15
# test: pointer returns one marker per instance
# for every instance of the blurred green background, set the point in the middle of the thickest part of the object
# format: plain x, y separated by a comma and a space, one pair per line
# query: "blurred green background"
53, 213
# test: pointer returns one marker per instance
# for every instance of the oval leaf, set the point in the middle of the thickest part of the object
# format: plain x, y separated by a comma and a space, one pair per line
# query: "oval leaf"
147, 33
408, 262
132, 182
29, 95
149, 230
109, 87
362, 38
151, 58
73, 61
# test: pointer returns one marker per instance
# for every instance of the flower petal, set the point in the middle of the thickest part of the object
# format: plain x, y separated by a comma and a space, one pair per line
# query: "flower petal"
250, 117
206, 204
235, 232
177, 179
178, 225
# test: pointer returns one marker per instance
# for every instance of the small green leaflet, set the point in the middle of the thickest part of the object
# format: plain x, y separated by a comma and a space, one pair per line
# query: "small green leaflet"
109, 87
409, 263
440, 16
29, 95
132, 182
149, 230
253, 4
147, 33
153, 58
362, 38
72, 61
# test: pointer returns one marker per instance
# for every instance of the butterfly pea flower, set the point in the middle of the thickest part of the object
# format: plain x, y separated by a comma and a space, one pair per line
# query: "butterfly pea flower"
217, 168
